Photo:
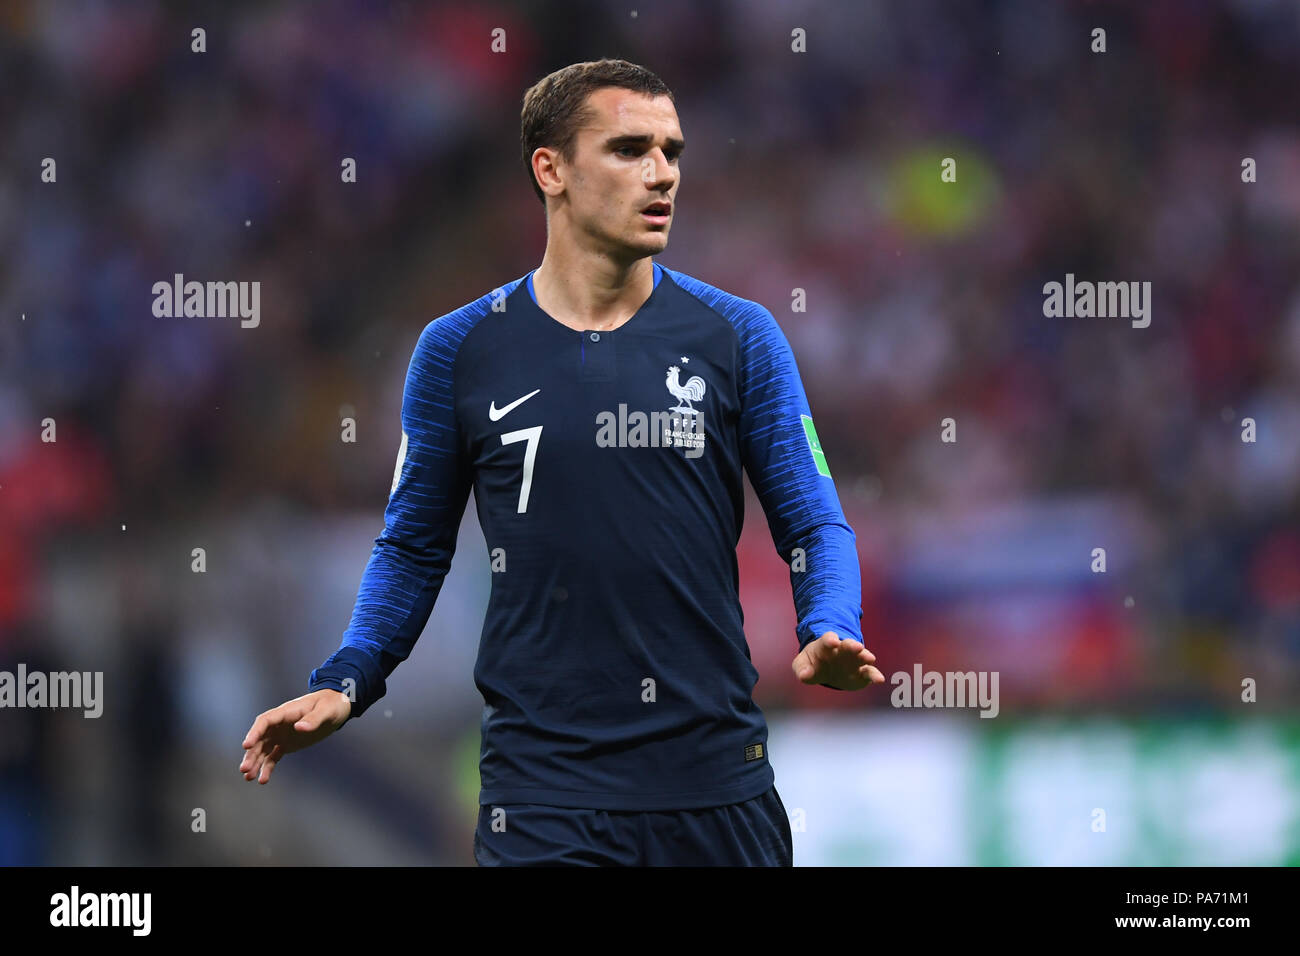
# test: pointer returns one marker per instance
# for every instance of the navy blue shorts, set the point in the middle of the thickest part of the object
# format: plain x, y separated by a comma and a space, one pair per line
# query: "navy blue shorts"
753, 833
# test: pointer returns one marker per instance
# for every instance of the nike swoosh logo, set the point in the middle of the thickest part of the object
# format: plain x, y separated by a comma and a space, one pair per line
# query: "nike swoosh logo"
495, 413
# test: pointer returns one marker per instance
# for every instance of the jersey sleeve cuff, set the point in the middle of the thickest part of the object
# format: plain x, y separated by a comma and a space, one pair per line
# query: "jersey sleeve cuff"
810, 631
350, 672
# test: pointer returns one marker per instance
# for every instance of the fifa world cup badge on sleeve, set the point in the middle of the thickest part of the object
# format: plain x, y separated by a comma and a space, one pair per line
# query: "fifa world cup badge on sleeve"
401, 458
819, 457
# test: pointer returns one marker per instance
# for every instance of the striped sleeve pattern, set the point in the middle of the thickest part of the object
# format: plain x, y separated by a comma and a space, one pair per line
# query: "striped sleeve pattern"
413, 552
802, 507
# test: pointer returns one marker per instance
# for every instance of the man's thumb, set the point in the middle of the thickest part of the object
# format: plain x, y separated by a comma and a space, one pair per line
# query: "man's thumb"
309, 722
803, 665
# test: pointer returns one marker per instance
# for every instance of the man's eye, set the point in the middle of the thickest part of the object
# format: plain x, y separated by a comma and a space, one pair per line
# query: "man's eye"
627, 149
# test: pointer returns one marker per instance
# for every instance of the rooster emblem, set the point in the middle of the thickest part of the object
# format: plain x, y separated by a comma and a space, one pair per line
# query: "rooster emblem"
692, 391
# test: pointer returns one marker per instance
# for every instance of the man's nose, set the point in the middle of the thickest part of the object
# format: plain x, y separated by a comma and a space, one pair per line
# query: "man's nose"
657, 171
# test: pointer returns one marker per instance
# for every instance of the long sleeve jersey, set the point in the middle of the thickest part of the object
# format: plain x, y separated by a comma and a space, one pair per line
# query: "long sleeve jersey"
607, 474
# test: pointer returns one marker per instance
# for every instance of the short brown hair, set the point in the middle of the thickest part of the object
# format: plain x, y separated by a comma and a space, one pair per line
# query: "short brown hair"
555, 107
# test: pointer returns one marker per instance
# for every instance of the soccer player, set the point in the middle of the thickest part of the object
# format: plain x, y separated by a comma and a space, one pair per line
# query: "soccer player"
602, 408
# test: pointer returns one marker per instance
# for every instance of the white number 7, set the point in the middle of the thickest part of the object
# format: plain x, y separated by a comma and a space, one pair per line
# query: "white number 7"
532, 436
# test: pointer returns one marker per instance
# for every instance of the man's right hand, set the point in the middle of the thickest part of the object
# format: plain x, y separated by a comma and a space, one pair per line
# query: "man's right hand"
293, 725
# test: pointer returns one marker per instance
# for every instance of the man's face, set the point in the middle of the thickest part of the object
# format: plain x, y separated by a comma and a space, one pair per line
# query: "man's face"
625, 160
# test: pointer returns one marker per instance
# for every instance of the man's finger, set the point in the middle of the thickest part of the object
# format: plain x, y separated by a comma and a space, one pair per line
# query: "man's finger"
866, 670
276, 716
256, 731
286, 713
296, 710
801, 663
269, 765
311, 720
848, 645
252, 760
856, 648
863, 657
257, 756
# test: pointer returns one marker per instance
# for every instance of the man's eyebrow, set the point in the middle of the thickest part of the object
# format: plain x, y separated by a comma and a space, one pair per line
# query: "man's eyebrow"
642, 139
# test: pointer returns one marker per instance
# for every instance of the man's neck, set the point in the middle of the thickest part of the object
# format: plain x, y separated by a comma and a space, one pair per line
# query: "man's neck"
590, 292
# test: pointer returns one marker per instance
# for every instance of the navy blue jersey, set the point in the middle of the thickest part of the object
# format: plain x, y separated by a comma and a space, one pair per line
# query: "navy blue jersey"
606, 469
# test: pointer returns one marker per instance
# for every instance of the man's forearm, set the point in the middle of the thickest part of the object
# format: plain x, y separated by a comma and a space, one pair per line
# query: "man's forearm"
397, 593
826, 582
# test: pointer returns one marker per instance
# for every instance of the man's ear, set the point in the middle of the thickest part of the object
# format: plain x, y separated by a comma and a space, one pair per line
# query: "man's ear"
546, 163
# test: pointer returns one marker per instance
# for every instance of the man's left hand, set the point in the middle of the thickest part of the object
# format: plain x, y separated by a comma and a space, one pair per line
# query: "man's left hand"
835, 663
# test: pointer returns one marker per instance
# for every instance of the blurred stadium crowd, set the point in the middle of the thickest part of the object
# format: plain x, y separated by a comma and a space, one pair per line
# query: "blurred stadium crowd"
815, 171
